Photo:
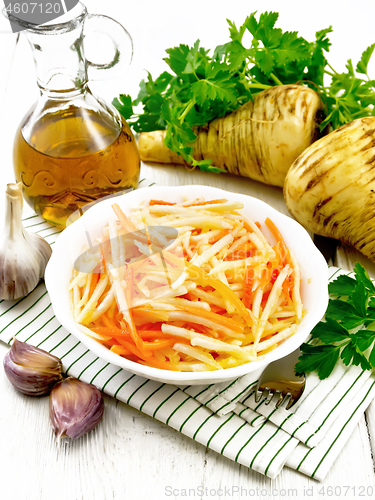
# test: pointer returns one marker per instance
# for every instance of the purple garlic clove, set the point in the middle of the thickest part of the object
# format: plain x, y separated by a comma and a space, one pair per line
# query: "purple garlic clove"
31, 370
75, 408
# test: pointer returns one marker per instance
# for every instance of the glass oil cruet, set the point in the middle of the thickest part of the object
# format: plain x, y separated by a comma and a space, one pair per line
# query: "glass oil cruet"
72, 148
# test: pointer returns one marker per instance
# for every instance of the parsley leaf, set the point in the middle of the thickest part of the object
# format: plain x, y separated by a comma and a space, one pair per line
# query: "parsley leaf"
321, 358
344, 312
363, 63
343, 285
124, 105
343, 333
329, 331
363, 277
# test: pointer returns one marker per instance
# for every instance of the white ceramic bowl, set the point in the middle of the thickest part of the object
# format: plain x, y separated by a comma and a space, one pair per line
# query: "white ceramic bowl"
68, 247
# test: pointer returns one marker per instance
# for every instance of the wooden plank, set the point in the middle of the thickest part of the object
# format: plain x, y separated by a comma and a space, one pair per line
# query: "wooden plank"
346, 257
370, 422
17, 94
8, 42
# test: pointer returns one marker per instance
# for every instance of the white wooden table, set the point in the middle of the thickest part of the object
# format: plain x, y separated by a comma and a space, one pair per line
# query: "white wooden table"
131, 455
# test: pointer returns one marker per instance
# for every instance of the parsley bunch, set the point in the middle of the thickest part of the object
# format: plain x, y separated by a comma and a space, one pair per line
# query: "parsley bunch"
345, 331
203, 85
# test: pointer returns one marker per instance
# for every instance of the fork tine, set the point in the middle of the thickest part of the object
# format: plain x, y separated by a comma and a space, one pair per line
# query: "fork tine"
269, 397
279, 396
260, 394
286, 402
274, 398
291, 403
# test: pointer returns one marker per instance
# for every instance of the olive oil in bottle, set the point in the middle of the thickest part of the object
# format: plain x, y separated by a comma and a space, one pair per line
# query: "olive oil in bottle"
74, 156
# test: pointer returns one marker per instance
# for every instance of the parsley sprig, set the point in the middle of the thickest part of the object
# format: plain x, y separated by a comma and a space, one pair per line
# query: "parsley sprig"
202, 85
346, 330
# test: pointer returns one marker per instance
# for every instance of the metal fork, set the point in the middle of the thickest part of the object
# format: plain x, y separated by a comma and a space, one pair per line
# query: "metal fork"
279, 383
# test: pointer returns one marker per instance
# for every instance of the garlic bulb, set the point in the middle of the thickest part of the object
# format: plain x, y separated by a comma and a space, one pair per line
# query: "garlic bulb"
23, 255
31, 370
75, 408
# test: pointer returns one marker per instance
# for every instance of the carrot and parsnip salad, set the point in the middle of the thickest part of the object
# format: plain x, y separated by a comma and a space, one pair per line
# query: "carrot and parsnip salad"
187, 286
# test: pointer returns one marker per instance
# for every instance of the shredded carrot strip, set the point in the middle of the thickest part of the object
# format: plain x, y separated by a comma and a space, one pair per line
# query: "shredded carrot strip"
218, 237
121, 350
157, 344
126, 223
248, 288
277, 235
160, 202
108, 322
147, 356
200, 203
284, 255
94, 282
133, 349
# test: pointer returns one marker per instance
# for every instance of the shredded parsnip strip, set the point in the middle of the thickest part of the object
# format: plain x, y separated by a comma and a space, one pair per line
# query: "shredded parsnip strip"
266, 344
197, 354
296, 288
142, 248
283, 314
91, 303
85, 296
78, 278
236, 244
198, 222
183, 229
276, 327
175, 210
212, 344
103, 306
263, 246
177, 301
180, 280
221, 267
178, 331
257, 302
204, 236
211, 298
271, 301
210, 252
163, 292
120, 295
257, 231
185, 316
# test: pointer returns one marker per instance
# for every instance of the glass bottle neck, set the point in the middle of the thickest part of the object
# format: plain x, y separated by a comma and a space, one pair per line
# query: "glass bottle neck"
61, 67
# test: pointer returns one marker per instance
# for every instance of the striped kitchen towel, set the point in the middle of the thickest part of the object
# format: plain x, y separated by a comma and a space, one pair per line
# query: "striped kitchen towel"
221, 417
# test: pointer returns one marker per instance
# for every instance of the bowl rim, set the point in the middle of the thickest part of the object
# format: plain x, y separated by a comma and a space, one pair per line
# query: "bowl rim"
171, 376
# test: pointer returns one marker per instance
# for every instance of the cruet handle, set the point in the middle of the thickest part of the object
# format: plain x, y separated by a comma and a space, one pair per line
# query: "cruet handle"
122, 42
